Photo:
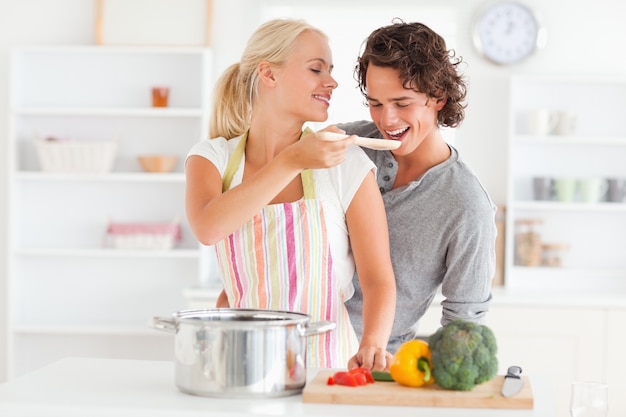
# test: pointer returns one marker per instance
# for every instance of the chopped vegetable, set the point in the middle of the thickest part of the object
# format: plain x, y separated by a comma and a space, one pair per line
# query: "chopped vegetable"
343, 378
365, 372
410, 365
382, 376
353, 378
359, 378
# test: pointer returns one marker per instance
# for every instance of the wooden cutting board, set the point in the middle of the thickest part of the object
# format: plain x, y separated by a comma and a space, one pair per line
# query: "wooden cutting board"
486, 395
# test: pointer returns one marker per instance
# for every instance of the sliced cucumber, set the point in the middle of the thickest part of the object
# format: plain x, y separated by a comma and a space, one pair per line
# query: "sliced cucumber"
382, 376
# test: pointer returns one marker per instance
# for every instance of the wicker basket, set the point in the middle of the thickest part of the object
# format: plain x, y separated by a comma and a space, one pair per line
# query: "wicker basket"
78, 157
130, 236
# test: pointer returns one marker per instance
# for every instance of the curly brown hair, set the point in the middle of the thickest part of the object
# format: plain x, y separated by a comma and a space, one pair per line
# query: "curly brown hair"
424, 63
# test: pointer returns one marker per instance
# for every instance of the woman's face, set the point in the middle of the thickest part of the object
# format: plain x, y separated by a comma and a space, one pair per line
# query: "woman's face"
304, 82
399, 113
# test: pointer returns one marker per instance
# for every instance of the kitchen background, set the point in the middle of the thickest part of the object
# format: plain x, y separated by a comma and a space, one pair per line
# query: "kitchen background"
584, 49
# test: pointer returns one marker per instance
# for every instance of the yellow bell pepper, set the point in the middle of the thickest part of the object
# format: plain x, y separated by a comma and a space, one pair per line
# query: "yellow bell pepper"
411, 364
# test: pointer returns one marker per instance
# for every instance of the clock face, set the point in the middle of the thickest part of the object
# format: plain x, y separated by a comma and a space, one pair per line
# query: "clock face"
507, 32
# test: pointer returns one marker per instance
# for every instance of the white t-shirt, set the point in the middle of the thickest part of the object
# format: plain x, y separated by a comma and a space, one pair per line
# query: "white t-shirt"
334, 187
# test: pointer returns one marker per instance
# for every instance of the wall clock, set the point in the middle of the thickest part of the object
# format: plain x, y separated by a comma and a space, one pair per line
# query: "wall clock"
507, 32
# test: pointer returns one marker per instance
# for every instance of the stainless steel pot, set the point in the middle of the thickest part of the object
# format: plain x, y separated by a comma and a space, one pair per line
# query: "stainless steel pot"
240, 352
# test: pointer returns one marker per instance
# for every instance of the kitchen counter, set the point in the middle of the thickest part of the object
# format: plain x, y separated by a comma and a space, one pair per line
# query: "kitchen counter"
116, 387
562, 298
204, 297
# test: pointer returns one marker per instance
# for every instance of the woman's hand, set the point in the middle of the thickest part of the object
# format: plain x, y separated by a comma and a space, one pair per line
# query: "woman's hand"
313, 152
371, 357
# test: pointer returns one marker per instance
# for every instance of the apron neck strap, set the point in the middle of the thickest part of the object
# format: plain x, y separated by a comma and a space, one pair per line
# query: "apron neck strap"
233, 163
308, 184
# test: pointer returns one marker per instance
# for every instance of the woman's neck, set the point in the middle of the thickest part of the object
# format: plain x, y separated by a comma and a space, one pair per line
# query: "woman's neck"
266, 140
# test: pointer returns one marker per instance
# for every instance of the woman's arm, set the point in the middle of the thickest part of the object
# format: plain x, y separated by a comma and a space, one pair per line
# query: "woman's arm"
213, 215
369, 240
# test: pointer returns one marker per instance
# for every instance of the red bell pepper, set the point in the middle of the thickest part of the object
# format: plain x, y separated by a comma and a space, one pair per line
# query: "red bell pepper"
369, 379
343, 378
353, 378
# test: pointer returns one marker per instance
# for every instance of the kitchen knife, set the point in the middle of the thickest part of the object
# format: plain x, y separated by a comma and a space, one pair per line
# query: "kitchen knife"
513, 382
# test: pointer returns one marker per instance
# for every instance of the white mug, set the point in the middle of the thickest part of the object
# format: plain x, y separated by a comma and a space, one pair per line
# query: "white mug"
592, 190
566, 123
541, 121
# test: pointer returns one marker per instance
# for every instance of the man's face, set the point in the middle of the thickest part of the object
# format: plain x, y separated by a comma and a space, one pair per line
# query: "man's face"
399, 113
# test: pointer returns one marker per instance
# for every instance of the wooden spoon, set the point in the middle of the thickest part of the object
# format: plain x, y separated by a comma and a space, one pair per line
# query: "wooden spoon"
377, 144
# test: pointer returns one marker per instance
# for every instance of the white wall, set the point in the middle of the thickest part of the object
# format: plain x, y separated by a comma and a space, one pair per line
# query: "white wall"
26, 22
584, 37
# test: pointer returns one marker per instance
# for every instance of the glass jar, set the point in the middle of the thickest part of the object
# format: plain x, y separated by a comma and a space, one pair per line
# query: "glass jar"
528, 250
553, 254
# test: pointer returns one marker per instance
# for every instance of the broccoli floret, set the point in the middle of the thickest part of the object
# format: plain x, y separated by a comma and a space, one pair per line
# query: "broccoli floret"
463, 355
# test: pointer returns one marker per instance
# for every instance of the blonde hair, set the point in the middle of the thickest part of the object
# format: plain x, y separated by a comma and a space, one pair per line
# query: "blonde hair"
236, 89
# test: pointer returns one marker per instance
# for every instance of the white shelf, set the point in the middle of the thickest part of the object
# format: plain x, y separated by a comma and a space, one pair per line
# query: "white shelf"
94, 330
111, 50
110, 111
593, 231
570, 140
110, 253
66, 290
123, 177
589, 271
574, 207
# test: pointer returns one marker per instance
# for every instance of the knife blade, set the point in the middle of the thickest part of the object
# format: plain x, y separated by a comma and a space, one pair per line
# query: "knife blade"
513, 383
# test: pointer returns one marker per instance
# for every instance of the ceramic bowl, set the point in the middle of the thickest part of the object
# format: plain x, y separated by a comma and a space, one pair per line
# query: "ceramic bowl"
158, 163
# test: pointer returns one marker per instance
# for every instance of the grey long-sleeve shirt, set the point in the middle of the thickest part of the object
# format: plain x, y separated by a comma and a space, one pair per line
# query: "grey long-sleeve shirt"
442, 232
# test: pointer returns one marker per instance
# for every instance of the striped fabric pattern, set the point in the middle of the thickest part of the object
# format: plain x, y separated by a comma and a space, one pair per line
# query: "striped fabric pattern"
281, 260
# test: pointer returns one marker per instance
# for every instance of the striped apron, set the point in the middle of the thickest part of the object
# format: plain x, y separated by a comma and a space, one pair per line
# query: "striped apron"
281, 260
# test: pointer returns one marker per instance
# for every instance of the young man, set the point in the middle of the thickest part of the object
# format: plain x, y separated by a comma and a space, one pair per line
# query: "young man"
441, 220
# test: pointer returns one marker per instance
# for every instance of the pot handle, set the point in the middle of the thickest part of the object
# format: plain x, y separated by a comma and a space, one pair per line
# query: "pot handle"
319, 327
165, 324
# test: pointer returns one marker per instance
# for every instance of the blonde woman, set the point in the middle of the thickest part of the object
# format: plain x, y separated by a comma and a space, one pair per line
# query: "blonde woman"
292, 216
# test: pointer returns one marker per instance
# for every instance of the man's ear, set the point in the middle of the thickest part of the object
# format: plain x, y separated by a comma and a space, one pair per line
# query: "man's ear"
266, 73
440, 103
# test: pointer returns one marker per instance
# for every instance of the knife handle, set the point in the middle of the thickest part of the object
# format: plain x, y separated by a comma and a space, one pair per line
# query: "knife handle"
514, 372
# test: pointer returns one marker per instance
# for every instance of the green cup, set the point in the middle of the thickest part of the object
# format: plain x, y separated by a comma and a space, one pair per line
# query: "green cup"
592, 190
565, 189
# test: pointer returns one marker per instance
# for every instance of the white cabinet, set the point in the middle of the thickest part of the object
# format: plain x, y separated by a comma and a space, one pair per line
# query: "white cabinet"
614, 361
594, 149
68, 294
560, 342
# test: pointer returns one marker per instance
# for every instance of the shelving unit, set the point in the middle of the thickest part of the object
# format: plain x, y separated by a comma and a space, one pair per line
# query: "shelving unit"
597, 148
68, 294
